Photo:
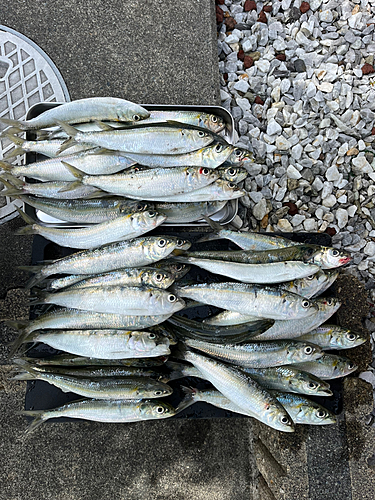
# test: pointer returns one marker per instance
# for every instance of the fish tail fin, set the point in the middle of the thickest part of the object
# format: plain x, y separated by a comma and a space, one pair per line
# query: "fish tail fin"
71, 132
20, 125
78, 174
25, 217
209, 237
39, 297
39, 417
23, 338
25, 230
39, 276
4, 165
215, 226
14, 152
12, 190
31, 229
179, 256
18, 325
188, 399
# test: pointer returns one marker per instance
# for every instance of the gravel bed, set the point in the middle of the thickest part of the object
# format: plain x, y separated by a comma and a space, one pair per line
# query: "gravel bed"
299, 79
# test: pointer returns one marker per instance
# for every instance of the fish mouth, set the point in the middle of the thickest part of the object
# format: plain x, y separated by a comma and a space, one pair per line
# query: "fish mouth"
345, 260
324, 392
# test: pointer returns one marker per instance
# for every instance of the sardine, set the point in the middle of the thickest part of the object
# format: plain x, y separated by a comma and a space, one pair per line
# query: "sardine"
219, 190
290, 379
256, 300
243, 391
329, 366
196, 118
51, 148
84, 110
334, 337
69, 360
132, 253
183, 213
124, 227
98, 410
259, 354
102, 344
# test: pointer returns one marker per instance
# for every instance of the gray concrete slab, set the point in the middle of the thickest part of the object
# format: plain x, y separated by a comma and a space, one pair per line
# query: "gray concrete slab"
152, 51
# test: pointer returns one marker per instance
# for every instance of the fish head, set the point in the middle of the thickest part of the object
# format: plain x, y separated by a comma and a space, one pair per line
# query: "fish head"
200, 176
227, 190
297, 307
153, 389
233, 174
212, 122
327, 306
276, 417
135, 206
181, 244
197, 137
299, 352
178, 269
158, 247
343, 366
345, 339
240, 157
318, 415
159, 278
309, 286
156, 409
144, 342
215, 154
147, 220
306, 383
329, 258
164, 302
131, 112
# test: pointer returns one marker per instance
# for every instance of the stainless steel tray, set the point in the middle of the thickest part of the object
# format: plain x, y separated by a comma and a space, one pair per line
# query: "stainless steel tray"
224, 216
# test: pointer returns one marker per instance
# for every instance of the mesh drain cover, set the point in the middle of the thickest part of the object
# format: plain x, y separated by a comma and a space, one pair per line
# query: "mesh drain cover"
27, 77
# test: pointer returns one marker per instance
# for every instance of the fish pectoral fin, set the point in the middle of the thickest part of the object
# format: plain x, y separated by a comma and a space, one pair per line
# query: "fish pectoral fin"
104, 126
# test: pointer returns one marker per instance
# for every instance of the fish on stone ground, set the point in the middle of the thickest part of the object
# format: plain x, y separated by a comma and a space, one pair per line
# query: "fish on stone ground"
219, 190
99, 410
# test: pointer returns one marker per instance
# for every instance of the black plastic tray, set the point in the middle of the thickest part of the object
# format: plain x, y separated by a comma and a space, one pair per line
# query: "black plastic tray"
41, 395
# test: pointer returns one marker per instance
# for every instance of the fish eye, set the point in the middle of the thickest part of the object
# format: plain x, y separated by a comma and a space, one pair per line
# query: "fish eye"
351, 365
311, 385
179, 267
172, 298
335, 253
311, 277
232, 185
218, 148
180, 243
232, 171
205, 171
351, 336
136, 118
238, 152
308, 350
305, 303
284, 420
160, 410
162, 243
152, 336
158, 277
201, 133
158, 393
151, 214
329, 302
214, 118
140, 206
321, 413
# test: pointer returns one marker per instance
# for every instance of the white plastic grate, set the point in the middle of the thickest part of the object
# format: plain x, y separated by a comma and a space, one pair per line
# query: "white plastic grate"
27, 76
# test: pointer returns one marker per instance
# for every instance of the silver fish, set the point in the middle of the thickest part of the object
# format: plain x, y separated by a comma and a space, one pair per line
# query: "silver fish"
243, 391
304, 411
256, 300
219, 190
137, 301
150, 139
259, 354
197, 118
99, 410
133, 253
329, 366
182, 213
47, 148
84, 110
124, 227
334, 337
103, 344
295, 328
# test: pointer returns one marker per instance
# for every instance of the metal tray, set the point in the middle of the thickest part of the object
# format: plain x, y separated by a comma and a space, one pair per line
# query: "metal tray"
224, 216
41, 395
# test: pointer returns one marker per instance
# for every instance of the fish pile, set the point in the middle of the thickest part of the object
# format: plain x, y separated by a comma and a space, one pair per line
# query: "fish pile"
121, 170
121, 315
